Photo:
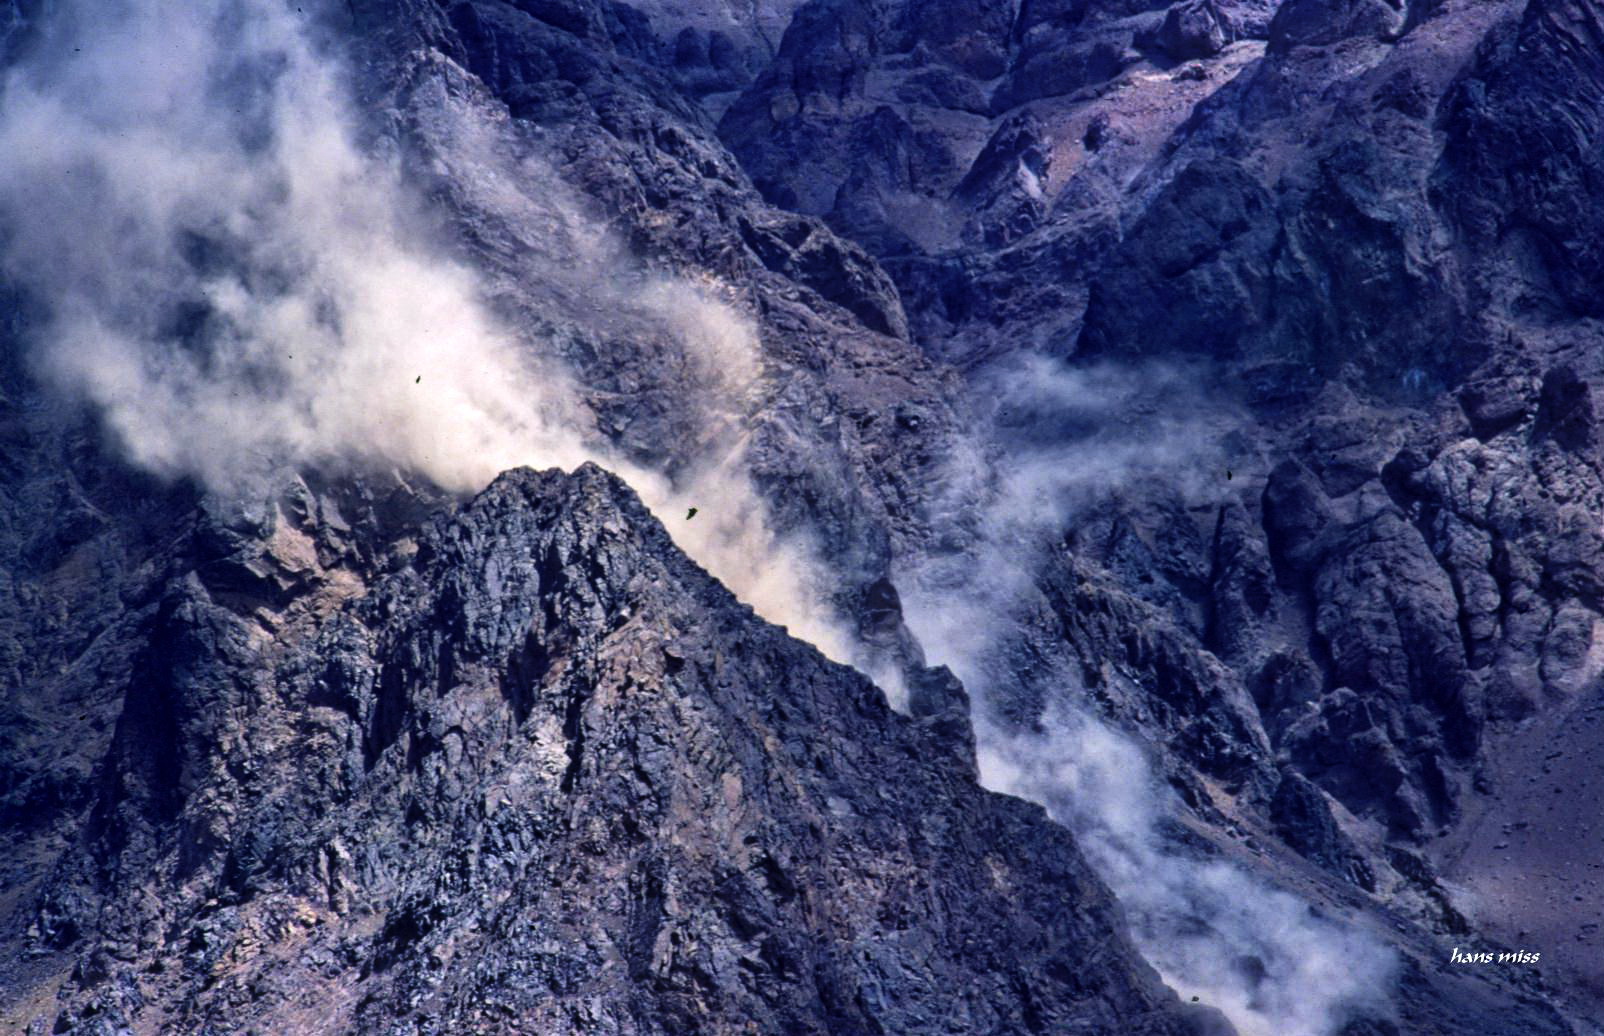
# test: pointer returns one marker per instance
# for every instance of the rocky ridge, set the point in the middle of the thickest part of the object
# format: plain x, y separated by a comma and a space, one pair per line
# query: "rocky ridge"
544, 775
1364, 654
1338, 218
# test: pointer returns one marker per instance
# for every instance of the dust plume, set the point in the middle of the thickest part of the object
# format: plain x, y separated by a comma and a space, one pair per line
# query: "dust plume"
1063, 441
228, 278
240, 289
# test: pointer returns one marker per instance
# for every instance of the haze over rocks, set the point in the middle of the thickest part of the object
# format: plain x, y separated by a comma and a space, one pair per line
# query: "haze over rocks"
1200, 394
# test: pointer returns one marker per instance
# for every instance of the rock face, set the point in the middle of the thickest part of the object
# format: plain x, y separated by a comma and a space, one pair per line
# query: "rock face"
1350, 221
1341, 217
547, 776
361, 756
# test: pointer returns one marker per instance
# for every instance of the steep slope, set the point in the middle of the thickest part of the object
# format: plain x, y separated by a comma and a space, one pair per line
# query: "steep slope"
547, 776
846, 424
1269, 439
296, 759
1314, 273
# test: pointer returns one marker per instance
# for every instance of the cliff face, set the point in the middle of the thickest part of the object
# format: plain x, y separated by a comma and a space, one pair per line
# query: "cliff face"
1361, 229
1289, 306
545, 775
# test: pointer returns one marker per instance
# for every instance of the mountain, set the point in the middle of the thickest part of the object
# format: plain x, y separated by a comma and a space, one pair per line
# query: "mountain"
1099, 531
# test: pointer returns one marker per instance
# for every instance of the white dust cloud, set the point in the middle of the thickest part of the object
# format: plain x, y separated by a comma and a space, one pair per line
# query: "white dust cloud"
1072, 439
241, 290
229, 278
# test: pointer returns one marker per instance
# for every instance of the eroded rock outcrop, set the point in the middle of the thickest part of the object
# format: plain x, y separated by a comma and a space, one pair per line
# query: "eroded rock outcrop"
307, 756
547, 776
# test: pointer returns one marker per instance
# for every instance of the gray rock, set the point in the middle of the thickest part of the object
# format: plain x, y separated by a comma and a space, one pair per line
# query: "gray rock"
552, 776
1194, 30
1304, 820
439, 777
